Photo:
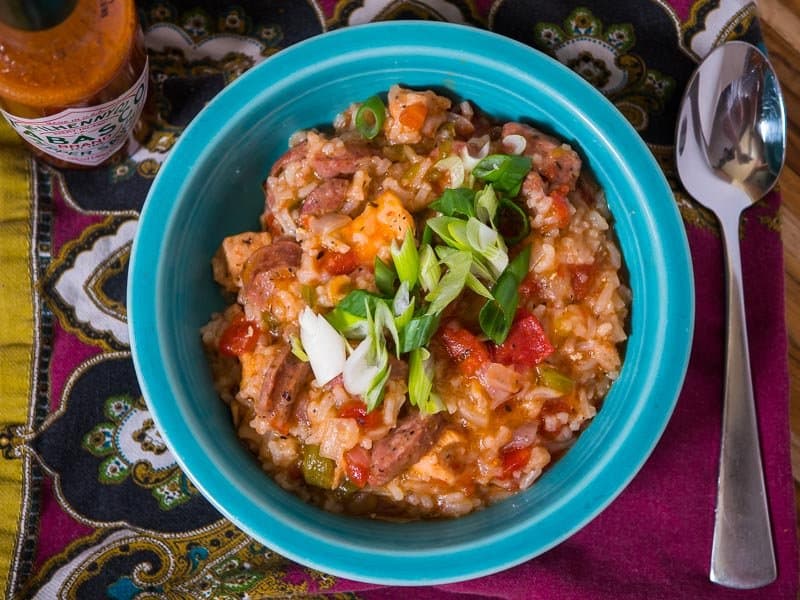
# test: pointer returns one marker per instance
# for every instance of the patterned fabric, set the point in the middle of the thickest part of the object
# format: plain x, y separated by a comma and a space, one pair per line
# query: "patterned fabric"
94, 502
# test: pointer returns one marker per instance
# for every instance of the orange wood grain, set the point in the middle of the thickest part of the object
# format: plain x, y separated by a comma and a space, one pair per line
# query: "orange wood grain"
780, 21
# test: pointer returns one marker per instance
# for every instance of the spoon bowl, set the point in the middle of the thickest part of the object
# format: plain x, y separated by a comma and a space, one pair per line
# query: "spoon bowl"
730, 149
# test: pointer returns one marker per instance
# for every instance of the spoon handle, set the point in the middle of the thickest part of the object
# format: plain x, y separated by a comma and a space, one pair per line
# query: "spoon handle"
742, 554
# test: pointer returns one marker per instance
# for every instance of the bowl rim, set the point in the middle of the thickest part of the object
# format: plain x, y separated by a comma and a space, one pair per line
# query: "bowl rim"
600, 117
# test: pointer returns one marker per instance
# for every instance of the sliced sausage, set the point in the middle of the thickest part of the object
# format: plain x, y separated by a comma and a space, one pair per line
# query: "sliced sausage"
345, 161
403, 446
294, 153
277, 255
327, 197
282, 388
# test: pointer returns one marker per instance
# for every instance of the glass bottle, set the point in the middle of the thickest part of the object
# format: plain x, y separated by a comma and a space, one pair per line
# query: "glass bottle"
73, 77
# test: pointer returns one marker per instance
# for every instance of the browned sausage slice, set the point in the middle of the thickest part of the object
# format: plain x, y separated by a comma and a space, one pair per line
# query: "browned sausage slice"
345, 162
327, 197
292, 154
279, 254
281, 389
404, 446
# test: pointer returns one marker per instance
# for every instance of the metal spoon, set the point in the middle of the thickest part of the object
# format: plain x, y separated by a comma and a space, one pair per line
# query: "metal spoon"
730, 149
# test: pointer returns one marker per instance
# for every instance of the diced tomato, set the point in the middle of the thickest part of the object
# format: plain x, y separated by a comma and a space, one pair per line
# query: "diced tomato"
338, 263
581, 278
356, 409
560, 206
464, 348
413, 116
526, 345
530, 288
514, 459
357, 462
239, 337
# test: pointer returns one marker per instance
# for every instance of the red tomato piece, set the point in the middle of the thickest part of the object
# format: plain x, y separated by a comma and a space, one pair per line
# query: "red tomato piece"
357, 462
514, 459
560, 206
239, 337
526, 345
356, 409
337, 263
581, 278
465, 348
530, 288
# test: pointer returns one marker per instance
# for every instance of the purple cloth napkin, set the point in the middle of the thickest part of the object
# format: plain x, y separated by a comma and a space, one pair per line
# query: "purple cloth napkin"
94, 517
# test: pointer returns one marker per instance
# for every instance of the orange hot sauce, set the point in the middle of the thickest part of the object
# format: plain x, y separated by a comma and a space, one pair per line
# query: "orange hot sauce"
73, 77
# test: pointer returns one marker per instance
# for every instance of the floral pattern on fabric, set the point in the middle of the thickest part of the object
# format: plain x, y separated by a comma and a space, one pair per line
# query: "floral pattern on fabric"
601, 56
131, 446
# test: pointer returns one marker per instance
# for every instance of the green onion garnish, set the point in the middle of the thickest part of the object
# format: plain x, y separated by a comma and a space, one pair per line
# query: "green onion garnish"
385, 277
418, 332
505, 171
458, 202
497, 314
512, 222
370, 117
420, 382
406, 260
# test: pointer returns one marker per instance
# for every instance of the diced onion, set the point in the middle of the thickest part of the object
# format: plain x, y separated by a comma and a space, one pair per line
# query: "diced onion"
323, 345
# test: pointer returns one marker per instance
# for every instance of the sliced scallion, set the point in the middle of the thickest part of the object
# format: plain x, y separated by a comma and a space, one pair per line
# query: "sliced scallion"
512, 221
406, 260
420, 382
385, 277
370, 117
458, 202
505, 171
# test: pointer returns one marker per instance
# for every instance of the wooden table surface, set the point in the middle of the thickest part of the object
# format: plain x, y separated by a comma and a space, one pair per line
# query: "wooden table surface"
780, 21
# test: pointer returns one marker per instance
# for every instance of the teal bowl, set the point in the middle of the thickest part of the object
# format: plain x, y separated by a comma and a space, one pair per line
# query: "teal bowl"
210, 187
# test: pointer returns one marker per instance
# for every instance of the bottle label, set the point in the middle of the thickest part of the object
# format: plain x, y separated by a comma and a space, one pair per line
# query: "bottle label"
88, 135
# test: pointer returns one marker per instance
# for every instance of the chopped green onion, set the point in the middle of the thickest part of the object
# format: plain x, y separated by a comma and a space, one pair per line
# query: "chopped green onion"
402, 319
402, 300
497, 315
486, 204
370, 117
512, 221
429, 271
366, 370
384, 319
418, 332
297, 349
521, 264
323, 345
420, 382
451, 284
444, 227
505, 171
488, 245
455, 202
406, 260
427, 236
476, 286
385, 277
358, 302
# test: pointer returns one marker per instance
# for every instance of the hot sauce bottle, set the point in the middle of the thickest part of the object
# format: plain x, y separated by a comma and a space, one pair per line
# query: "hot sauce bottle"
73, 77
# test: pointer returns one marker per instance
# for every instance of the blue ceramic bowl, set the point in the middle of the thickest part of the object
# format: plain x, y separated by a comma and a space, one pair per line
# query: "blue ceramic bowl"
210, 187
